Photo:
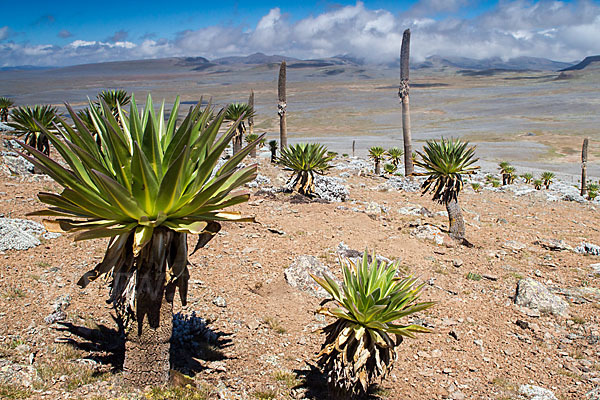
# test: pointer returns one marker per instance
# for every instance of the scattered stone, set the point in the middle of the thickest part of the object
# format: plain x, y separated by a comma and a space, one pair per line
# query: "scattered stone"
191, 332
260, 180
22, 234
457, 262
399, 183
588, 248
58, 310
490, 277
522, 324
554, 244
534, 295
593, 394
373, 208
16, 164
454, 334
579, 295
411, 209
536, 393
513, 245
298, 275
276, 231
429, 232
595, 269
330, 189
219, 301
355, 256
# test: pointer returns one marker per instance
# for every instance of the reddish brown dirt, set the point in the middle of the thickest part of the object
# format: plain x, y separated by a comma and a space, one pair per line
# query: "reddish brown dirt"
490, 359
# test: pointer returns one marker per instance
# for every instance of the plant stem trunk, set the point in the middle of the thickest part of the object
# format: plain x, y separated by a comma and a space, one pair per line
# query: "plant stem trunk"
251, 118
584, 156
282, 105
403, 94
456, 221
377, 168
147, 345
237, 141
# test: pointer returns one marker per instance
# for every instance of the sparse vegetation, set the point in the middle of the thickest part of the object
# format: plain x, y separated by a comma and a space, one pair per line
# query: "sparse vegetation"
395, 155
273, 149
358, 347
445, 162
527, 177
376, 153
165, 192
476, 186
305, 160
275, 325
237, 113
34, 123
547, 177
389, 168
5, 105
537, 184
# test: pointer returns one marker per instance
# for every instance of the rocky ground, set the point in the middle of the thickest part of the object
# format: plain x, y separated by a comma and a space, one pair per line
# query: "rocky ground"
517, 314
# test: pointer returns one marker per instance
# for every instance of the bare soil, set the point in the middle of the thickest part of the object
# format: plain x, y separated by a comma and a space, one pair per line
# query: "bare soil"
476, 350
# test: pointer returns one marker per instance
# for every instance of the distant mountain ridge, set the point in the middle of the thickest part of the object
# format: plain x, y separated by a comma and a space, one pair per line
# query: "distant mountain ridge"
494, 63
587, 62
201, 63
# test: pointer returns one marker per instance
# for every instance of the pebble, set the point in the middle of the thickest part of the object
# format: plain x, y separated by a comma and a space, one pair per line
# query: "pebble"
219, 301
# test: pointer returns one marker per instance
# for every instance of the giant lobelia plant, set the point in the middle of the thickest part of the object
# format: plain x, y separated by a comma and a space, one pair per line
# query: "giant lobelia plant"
445, 162
149, 186
360, 344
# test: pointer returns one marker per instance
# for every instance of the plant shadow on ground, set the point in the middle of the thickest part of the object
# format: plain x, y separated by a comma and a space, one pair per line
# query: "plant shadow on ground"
315, 383
193, 344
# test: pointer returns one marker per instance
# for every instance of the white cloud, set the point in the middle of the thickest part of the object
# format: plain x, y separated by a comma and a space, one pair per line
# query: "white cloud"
4, 32
552, 29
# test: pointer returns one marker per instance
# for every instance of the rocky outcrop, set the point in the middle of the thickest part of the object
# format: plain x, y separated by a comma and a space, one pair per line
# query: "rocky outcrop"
298, 275
534, 295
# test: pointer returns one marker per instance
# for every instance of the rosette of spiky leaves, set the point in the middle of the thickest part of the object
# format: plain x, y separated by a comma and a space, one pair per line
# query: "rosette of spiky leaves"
305, 160
395, 154
476, 186
376, 153
33, 122
509, 174
390, 168
527, 177
5, 105
251, 137
537, 184
445, 162
150, 186
273, 149
239, 112
359, 344
547, 177
114, 99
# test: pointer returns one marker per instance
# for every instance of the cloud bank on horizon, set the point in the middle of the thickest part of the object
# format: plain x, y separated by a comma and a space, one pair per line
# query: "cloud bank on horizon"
558, 30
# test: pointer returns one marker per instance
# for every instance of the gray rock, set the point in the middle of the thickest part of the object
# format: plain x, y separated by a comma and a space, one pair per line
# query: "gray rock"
219, 301
260, 180
16, 164
536, 393
330, 188
373, 208
356, 256
513, 245
298, 275
595, 269
429, 232
593, 394
6, 128
554, 244
457, 262
588, 248
399, 183
59, 307
534, 295
22, 234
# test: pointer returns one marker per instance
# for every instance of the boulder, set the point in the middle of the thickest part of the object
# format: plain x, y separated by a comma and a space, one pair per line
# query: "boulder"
536, 393
298, 275
330, 188
429, 232
588, 248
22, 234
534, 295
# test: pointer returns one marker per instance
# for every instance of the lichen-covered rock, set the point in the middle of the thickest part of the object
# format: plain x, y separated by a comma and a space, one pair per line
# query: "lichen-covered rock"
588, 248
22, 234
16, 164
429, 232
330, 189
399, 183
259, 181
298, 275
536, 393
533, 294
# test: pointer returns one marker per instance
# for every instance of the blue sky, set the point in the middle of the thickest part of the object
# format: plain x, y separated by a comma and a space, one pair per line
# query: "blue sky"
69, 32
